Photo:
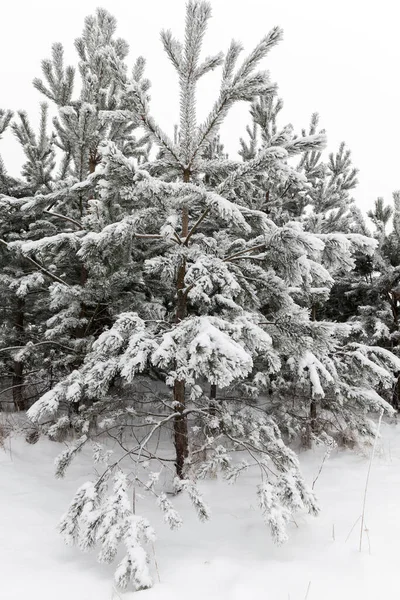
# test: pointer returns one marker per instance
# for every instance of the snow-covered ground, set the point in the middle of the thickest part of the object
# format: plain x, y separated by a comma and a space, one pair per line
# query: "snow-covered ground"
231, 556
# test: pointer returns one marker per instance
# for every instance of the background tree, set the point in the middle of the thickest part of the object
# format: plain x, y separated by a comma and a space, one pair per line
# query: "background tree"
23, 281
324, 379
58, 202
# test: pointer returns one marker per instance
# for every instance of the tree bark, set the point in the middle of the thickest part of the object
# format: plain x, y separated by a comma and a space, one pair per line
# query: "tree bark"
213, 399
396, 394
394, 307
18, 367
313, 403
80, 331
180, 429
313, 415
180, 422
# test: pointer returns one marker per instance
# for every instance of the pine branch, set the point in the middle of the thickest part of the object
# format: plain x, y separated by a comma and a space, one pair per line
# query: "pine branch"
38, 266
173, 48
27, 346
65, 218
196, 225
209, 64
252, 166
148, 236
239, 254
231, 57
5, 118
259, 52
161, 138
21, 385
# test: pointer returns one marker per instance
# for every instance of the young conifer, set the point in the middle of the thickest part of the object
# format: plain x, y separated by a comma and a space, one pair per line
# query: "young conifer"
184, 289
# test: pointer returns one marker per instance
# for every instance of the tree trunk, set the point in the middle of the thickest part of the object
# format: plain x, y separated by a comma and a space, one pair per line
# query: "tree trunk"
180, 422
213, 399
396, 393
180, 429
18, 367
313, 313
80, 331
18, 384
313, 415
313, 403
394, 307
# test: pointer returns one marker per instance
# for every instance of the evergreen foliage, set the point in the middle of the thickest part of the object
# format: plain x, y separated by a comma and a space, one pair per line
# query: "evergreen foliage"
183, 303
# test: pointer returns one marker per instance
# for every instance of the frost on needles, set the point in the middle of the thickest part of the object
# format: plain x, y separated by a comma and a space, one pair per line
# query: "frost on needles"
182, 294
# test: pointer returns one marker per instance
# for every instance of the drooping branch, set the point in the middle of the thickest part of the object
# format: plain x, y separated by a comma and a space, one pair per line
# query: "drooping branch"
38, 266
65, 218
239, 254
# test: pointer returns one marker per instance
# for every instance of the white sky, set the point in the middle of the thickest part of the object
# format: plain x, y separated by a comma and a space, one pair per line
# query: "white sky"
341, 59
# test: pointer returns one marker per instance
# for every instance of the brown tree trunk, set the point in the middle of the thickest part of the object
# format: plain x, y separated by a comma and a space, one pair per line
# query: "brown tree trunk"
94, 160
180, 422
18, 367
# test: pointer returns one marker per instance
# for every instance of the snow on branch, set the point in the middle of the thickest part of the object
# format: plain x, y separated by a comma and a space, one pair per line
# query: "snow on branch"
314, 367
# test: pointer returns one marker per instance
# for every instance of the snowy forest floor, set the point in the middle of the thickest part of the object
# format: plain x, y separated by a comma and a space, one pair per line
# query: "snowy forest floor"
231, 556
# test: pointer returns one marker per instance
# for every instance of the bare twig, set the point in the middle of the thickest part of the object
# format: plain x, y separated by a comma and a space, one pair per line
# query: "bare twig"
239, 254
352, 529
148, 236
156, 563
9, 348
19, 385
367, 480
308, 590
64, 217
327, 453
195, 226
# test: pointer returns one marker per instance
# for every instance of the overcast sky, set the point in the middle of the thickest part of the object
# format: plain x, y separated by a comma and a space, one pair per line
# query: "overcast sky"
340, 59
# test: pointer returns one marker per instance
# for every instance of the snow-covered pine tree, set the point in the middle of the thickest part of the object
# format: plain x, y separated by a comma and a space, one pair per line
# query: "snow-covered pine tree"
23, 281
214, 287
181, 239
80, 303
386, 220
329, 377
362, 296
370, 298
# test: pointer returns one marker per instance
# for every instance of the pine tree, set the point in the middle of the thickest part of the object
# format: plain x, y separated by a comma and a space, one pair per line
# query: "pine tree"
329, 377
22, 280
365, 295
374, 288
60, 201
186, 288
180, 240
